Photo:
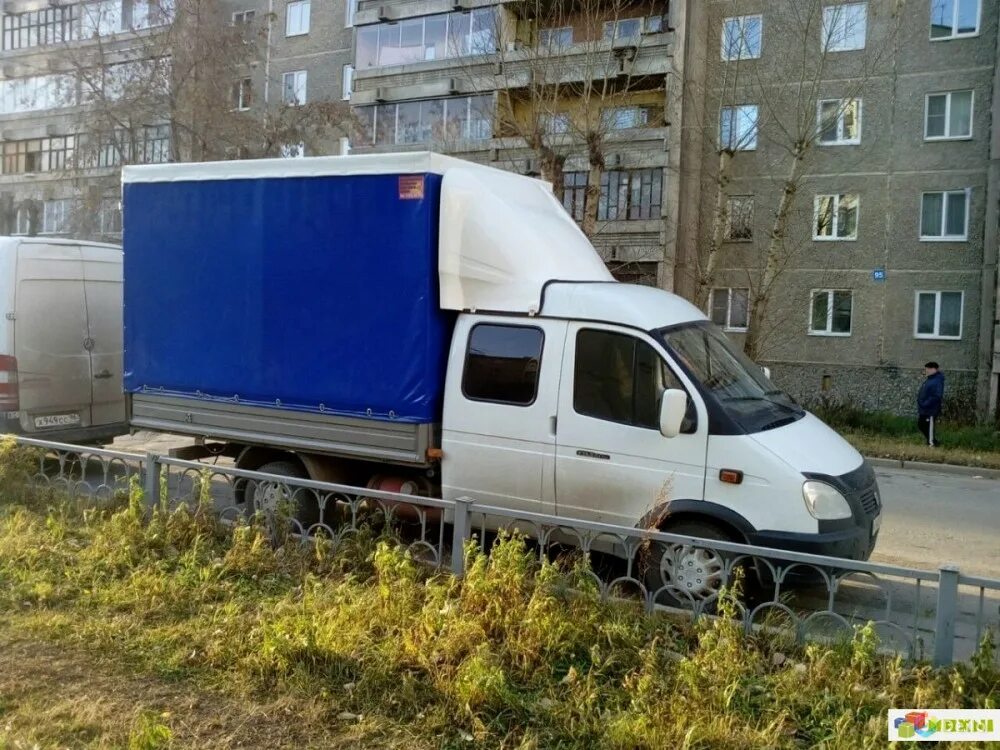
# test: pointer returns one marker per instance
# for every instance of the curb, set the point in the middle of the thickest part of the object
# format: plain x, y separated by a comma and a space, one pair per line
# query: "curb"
955, 469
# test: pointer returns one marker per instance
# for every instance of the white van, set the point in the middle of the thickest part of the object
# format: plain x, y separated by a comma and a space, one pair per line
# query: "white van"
61, 340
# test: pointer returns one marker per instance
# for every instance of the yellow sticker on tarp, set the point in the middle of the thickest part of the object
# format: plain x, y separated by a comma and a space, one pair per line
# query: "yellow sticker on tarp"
411, 187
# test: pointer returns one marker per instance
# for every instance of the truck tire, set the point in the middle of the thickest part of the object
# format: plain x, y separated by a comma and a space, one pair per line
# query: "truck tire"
699, 572
265, 496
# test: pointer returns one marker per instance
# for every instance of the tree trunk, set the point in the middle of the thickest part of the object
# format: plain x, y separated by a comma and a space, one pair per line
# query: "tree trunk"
720, 219
773, 262
595, 160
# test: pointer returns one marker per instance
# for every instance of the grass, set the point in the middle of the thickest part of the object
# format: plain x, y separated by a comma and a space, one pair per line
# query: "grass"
129, 629
889, 436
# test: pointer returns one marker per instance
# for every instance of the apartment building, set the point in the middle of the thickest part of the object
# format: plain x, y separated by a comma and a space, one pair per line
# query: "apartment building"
58, 168
887, 256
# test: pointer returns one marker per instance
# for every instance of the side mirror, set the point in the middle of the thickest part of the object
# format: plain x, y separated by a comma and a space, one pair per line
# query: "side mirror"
767, 372
673, 407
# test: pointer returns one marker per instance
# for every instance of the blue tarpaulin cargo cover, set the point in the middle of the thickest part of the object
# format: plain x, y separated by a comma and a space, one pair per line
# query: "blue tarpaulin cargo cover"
313, 293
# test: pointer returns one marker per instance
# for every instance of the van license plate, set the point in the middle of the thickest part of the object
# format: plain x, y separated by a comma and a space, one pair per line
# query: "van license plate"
57, 420
876, 524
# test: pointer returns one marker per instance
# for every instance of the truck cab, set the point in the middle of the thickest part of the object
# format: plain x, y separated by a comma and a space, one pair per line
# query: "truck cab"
563, 413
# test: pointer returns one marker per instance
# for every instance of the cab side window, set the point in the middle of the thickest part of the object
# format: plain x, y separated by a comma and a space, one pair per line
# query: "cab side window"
617, 378
502, 364
621, 379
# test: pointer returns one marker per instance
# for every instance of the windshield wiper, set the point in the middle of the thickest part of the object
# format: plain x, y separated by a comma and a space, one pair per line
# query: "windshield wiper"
789, 407
778, 423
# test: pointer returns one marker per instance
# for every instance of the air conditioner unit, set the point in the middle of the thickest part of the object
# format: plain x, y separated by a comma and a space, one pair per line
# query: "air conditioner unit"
614, 160
457, 6
385, 13
381, 94
454, 87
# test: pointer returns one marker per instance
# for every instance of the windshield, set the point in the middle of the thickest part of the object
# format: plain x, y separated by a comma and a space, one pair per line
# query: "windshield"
726, 375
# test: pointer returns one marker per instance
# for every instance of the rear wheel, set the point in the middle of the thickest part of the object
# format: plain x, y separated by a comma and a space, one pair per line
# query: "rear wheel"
274, 498
687, 575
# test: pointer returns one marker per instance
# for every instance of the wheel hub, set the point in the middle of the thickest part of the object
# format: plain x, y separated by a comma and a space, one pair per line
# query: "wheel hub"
694, 570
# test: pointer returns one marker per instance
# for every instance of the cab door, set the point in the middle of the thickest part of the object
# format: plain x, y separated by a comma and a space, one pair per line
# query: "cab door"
612, 463
500, 406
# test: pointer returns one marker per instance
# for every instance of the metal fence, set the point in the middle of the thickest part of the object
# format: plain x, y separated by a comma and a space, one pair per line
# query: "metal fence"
941, 615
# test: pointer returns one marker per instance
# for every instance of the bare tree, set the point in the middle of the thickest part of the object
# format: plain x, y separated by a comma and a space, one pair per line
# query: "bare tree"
786, 107
189, 72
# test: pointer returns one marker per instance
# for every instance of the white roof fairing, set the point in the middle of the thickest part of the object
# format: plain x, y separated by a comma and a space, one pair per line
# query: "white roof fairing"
502, 236
643, 307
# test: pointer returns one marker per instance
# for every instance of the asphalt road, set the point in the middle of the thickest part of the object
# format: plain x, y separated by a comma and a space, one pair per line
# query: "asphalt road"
932, 518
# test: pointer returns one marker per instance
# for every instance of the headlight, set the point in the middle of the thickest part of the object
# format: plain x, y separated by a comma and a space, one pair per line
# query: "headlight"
824, 502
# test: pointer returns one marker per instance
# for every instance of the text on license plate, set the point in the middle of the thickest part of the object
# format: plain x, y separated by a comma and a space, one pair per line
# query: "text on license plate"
57, 420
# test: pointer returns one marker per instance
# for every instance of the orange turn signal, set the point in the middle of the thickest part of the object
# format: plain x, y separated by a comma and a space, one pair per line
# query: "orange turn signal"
731, 476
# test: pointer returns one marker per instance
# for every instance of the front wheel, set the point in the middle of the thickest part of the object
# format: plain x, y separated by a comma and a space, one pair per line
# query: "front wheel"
687, 576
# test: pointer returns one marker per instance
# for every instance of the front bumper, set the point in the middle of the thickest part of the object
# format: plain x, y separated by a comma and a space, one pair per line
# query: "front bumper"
853, 543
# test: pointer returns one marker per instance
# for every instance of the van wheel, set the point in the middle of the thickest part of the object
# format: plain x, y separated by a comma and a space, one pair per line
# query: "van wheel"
687, 576
272, 498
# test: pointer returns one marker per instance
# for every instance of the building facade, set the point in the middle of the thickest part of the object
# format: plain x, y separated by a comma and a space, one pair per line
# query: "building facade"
885, 257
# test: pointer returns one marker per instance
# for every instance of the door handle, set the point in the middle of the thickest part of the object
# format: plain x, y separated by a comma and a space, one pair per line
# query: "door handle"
102, 375
592, 454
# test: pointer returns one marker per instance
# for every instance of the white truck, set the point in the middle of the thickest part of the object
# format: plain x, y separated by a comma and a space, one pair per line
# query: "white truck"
411, 321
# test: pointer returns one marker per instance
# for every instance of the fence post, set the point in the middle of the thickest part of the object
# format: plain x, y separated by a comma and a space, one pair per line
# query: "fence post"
151, 480
947, 609
460, 533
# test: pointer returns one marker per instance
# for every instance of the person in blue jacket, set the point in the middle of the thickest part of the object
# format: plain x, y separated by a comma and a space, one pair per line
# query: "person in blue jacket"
929, 401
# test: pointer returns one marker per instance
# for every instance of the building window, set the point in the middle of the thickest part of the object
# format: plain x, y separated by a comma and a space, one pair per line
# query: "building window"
836, 217
945, 215
293, 88
739, 218
56, 216
350, 8
948, 115
630, 195
432, 120
626, 118
111, 216
730, 308
830, 312
738, 128
623, 31
147, 145
560, 38
52, 25
839, 122
293, 150
22, 220
242, 94
101, 19
741, 37
554, 123
297, 18
243, 18
617, 378
435, 37
953, 19
502, 363
575, 193
845, 27
938, 315
37, 155
654, 24
37, 93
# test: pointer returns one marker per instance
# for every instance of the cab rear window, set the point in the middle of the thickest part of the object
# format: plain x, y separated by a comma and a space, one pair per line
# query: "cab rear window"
502, 364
